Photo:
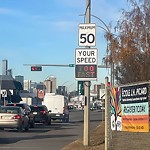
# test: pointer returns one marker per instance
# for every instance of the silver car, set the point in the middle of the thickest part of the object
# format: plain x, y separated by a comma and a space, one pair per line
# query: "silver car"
13, 117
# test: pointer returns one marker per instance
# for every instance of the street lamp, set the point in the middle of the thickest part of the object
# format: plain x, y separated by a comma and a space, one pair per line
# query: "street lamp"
107, 30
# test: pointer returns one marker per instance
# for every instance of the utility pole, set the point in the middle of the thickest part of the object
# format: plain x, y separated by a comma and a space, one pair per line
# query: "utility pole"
86, 138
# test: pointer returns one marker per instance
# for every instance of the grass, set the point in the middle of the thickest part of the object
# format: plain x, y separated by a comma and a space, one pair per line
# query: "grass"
97, 140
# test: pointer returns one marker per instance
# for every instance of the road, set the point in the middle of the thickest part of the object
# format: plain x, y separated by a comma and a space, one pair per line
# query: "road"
52, 137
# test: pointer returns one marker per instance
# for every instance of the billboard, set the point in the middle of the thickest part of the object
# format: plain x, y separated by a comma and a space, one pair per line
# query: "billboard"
130, 108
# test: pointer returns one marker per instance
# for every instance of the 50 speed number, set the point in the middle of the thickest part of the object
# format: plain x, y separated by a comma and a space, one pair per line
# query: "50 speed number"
87, 34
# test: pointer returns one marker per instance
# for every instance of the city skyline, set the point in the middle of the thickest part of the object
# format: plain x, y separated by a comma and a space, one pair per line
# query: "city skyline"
33, 32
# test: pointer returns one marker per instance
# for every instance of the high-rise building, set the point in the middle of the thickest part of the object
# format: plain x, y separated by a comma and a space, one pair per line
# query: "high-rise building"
20, 79
33, 87
4, 67
50, 84
27, 85
62, 90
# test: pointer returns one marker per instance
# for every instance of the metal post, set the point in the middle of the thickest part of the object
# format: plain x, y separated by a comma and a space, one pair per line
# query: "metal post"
106, 113
112, 75
86, 138
4, 102
86, 114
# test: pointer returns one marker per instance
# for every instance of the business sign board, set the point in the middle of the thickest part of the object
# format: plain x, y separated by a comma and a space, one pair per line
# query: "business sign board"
86, 64
135, 108
87, 34
130, 108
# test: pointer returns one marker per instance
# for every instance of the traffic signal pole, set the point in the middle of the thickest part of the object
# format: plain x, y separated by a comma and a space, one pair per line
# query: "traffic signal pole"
86, 137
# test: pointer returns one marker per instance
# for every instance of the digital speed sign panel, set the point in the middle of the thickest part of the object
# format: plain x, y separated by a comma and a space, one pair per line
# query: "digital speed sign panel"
86, 64
86, 72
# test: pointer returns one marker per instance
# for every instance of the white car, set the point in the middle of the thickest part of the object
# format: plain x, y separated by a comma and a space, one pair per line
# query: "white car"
13, 117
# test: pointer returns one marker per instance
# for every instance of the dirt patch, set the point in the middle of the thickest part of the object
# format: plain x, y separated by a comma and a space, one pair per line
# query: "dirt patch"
120, 140
97, 140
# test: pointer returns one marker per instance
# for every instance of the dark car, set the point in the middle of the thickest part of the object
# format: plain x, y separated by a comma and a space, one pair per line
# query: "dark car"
27, 110
41, 114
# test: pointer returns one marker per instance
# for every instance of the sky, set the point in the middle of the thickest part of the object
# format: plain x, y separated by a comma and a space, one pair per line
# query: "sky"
46, 32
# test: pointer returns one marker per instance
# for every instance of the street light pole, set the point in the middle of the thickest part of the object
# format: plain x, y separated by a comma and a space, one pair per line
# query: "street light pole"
107, 30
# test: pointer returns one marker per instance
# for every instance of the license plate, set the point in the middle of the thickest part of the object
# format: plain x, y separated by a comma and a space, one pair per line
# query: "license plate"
58, 115
35, 113
5, 117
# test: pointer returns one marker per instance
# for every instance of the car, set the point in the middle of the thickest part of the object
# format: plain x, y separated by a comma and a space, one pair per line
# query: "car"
27, 110
13, 117
41, 114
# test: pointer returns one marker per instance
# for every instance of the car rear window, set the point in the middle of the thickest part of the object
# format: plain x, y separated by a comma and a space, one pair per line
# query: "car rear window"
37, 108
11, 110
20, 105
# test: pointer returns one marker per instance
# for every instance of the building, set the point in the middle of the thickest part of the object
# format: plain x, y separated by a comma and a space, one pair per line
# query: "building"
62, 90
27, 85
9, 89
33, 87
4, 67
9, 72
20, 79
50, 84
98, 88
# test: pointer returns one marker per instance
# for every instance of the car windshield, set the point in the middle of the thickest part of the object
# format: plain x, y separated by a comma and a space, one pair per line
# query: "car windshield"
9, 110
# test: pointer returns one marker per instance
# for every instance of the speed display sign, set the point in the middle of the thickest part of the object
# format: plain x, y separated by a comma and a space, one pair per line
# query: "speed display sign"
87, 35
86, 64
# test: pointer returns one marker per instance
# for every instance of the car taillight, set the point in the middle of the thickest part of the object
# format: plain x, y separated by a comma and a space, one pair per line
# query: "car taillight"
43, 111
16, 117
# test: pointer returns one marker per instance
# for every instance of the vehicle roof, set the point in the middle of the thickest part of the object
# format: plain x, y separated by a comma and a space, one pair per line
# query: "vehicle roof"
16, 104
10, 107
38, 105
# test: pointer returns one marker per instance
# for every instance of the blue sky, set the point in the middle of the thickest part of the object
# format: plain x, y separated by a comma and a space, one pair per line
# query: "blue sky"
46, 32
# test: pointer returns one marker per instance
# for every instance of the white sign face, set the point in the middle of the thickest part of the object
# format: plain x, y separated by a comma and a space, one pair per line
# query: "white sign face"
4, 93
11, 91
86, 64
86, 56
87, 34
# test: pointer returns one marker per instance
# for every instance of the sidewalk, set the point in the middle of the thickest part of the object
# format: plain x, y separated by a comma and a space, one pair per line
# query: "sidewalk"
130, 141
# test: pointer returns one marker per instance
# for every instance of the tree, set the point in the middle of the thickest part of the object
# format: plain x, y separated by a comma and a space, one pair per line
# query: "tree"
129, 51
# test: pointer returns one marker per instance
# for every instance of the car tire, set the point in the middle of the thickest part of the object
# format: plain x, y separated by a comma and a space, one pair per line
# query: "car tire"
27, 128
64, 120
32, 125
20, 128
49, 121
67, 119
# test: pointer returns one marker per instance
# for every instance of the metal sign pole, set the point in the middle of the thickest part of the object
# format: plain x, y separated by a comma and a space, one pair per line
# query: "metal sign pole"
87, 90
106, 113
4, 102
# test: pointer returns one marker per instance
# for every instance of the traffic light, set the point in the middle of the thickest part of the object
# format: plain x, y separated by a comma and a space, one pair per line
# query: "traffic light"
80, 87
36, 68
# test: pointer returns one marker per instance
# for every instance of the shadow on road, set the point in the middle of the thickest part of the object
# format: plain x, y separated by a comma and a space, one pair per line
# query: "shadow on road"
40, 129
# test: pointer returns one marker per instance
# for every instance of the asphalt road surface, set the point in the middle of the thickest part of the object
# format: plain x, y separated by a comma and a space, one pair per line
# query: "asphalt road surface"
52, 137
